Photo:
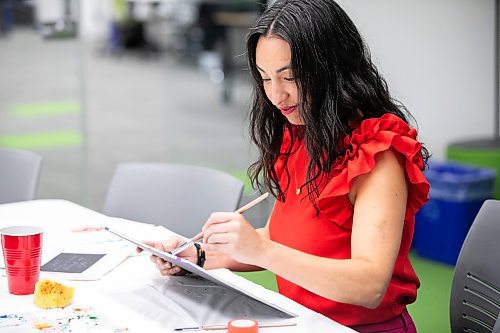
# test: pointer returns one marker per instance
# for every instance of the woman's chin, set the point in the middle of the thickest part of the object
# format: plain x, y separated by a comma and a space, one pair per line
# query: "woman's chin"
294, 120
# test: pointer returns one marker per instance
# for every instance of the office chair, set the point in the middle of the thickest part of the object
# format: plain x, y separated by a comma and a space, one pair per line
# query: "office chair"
475, 292
19, 174
178, 197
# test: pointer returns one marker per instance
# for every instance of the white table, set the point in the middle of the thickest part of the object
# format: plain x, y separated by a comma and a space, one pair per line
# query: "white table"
129, 296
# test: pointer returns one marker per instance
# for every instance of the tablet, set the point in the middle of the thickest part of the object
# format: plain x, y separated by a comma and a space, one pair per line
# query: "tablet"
195, 269
83, 265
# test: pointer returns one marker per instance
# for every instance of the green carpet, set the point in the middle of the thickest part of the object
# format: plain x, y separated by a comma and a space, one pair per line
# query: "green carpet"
431, 310
263, 278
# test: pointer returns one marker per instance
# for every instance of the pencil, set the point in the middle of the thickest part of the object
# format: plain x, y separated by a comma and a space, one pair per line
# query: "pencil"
199, 236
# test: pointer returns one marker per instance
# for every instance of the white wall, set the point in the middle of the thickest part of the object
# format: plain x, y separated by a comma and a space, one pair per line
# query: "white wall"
436, 55
438, 58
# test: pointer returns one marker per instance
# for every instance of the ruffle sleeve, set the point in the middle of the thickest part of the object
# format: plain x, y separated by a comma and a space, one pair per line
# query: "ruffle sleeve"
373, 136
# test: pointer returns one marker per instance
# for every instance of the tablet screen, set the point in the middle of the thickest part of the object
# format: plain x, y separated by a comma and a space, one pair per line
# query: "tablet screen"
71, 262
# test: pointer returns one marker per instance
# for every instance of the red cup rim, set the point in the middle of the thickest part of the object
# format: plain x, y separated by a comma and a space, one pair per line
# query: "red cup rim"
21, 230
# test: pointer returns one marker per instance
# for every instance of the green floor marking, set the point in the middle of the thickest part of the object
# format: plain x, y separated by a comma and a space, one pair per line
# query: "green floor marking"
42, 140
28, 110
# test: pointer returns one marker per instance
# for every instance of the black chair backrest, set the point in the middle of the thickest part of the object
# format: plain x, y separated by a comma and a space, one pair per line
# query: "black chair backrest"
475, 292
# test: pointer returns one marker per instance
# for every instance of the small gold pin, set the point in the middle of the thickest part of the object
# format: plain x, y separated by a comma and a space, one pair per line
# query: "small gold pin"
297, 191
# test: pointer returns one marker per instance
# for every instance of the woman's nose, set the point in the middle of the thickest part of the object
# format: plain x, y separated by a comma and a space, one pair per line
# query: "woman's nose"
278, 94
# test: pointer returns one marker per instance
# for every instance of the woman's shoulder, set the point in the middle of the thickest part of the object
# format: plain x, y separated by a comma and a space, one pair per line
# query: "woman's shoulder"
388, 124
371, 137
377, 135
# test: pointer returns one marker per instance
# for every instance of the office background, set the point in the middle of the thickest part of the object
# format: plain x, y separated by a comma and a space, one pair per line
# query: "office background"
86, 105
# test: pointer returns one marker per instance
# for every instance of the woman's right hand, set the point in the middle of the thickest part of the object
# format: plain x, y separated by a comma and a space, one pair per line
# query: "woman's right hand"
166, 268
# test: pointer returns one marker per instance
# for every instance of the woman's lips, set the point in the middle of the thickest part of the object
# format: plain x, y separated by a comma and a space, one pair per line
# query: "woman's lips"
288, 110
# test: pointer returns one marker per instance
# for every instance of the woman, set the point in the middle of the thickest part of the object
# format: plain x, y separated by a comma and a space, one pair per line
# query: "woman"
346, 168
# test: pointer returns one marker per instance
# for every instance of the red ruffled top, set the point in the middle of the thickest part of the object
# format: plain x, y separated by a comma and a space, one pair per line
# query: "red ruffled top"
295, 224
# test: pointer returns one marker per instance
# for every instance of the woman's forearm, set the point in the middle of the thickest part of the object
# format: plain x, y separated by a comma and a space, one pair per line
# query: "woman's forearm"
220, 260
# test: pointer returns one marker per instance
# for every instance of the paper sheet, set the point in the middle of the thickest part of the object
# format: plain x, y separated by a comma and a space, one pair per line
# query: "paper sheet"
90, 312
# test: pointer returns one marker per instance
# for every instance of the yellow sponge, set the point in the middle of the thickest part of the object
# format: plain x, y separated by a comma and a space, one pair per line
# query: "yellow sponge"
50, 294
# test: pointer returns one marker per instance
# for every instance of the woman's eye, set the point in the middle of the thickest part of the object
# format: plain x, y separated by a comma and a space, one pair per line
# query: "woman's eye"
266, 80
290, 79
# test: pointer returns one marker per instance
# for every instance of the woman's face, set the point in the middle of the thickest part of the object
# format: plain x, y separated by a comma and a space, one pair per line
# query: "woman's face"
273, 58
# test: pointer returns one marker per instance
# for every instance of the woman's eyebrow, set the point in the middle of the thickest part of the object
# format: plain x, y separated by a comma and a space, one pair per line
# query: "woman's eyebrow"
279, 70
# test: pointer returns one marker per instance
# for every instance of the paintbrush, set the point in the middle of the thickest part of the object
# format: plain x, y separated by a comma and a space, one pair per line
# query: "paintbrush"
224, 327
199, 236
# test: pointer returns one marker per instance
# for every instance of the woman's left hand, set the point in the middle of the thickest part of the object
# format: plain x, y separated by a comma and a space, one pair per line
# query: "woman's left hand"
233, 235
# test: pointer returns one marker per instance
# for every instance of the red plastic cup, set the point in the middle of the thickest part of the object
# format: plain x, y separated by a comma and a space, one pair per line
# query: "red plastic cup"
22, 251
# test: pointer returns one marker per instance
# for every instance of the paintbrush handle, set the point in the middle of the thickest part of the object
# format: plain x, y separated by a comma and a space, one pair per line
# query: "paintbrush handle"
240, 210
224, 327
252, 203
199, 236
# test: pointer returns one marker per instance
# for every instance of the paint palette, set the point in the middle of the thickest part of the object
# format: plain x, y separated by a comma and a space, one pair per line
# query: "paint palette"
69, 319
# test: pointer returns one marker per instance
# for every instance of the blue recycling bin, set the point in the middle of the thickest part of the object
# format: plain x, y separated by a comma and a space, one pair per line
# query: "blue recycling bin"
456, 194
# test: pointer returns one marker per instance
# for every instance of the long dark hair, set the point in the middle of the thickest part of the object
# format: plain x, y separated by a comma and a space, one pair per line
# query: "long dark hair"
337, 82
